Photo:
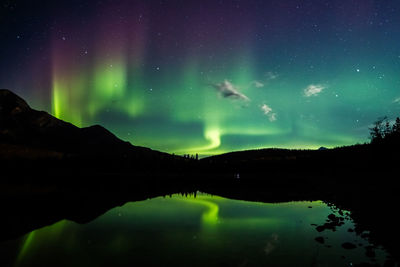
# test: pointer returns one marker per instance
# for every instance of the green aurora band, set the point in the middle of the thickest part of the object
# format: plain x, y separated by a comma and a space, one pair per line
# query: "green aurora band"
214, 82
113, 88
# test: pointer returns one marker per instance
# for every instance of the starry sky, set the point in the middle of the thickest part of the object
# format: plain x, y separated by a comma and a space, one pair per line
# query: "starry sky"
208, 77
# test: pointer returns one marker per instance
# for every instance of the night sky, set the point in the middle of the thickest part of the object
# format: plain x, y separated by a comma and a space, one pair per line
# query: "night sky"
208, 76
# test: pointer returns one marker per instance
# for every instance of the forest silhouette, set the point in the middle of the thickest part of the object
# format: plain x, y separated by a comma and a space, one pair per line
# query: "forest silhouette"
385, 132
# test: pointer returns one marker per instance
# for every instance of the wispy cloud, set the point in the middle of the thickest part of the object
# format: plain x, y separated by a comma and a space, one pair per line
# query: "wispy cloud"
397, 100
271, 75
313, 90
228, 90
267, 110
257, 84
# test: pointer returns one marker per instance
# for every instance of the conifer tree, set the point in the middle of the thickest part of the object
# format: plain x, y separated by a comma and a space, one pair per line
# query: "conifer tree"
396, 126
377, 132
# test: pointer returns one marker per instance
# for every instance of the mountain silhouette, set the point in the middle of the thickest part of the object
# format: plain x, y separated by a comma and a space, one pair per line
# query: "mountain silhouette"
21, 126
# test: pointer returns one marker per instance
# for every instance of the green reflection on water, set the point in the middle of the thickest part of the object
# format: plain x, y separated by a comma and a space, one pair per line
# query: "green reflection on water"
34, 238
210, 216
202, 230
25, 246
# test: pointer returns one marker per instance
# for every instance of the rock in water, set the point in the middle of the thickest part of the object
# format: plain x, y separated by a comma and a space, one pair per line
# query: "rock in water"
320, 239
348, 245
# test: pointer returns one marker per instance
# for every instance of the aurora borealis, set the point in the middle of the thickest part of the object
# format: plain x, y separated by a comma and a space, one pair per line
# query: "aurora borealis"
201, 229
208, 77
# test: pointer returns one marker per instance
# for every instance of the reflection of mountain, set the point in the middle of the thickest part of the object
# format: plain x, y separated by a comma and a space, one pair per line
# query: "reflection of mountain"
27, 213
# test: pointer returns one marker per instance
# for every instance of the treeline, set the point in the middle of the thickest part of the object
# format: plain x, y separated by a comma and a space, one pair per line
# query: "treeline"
385, 132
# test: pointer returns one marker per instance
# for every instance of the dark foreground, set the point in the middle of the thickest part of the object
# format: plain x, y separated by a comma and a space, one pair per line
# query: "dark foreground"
40, 201
201, 230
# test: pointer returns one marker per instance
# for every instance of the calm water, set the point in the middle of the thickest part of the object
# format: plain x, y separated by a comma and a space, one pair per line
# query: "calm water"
192, 231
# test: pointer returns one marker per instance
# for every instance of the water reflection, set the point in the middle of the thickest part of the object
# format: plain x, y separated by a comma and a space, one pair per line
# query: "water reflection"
197, 231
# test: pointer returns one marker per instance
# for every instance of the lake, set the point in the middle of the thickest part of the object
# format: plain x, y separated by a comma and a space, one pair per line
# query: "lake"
201, 230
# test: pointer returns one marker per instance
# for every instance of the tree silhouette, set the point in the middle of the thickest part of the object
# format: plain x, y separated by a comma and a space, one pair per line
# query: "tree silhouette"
396, 126
377, 132
388, 129
384, 133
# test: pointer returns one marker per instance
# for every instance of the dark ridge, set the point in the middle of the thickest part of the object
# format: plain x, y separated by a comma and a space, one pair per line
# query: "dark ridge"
10, 102
27, 134
20, 124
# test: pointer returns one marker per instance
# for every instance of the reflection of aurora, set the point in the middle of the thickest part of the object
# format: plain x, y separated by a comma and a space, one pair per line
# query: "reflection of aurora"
176, 219
25, 246
36, 237
210, 215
